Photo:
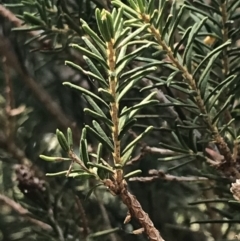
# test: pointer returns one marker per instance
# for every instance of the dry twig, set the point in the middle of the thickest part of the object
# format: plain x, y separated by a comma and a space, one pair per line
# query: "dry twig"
158, 174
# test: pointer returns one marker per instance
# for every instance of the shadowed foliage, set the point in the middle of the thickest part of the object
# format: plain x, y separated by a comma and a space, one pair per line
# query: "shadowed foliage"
119, 120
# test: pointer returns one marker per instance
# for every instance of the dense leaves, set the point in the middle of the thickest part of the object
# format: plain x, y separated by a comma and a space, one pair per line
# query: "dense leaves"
164, 97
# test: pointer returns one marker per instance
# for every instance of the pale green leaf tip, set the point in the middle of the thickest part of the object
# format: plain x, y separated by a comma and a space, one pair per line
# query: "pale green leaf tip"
67, 62
149, 128
48, 158
43, 157
67, 83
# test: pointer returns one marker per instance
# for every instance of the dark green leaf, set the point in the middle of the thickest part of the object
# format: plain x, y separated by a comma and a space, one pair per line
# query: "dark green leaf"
162, 10
167, 25
106, 168
174, 26
62, 140
110, 25
101, 26
203, 80
94, 53
95, 71
138, 107
87, 92
197, 10
122, 36
151, 7
122, 61
84, 151
182, 41
187, 56
94, 105
30, 18
127, 9
99, 137
107, 96
91, 190
136, 140
174, 158
182, 164
99, 117
133, 173
224, 107
125, 158
138, 75
118, 18
102, 133
94, 36
210, 55
220, 87
127, 125
174, 148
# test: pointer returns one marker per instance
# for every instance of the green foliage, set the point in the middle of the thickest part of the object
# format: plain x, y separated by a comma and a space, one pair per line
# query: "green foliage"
187, 53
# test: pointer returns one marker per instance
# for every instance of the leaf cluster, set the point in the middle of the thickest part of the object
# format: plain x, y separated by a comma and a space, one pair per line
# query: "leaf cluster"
190, 51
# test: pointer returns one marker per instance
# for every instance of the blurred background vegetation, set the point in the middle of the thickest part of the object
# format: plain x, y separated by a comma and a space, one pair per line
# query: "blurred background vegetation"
33, 103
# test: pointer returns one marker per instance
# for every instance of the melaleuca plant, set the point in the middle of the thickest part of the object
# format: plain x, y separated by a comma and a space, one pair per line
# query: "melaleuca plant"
201, 66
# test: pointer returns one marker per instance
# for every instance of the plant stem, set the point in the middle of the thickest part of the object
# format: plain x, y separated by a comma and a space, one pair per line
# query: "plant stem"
114, 108
118, 185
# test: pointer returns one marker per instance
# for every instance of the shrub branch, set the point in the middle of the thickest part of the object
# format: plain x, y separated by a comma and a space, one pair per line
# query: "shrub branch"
114, 107
118, 185
221, 144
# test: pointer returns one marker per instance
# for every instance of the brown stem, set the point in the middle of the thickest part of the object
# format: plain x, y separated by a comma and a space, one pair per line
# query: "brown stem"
135, 209
117, 185
114, 108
